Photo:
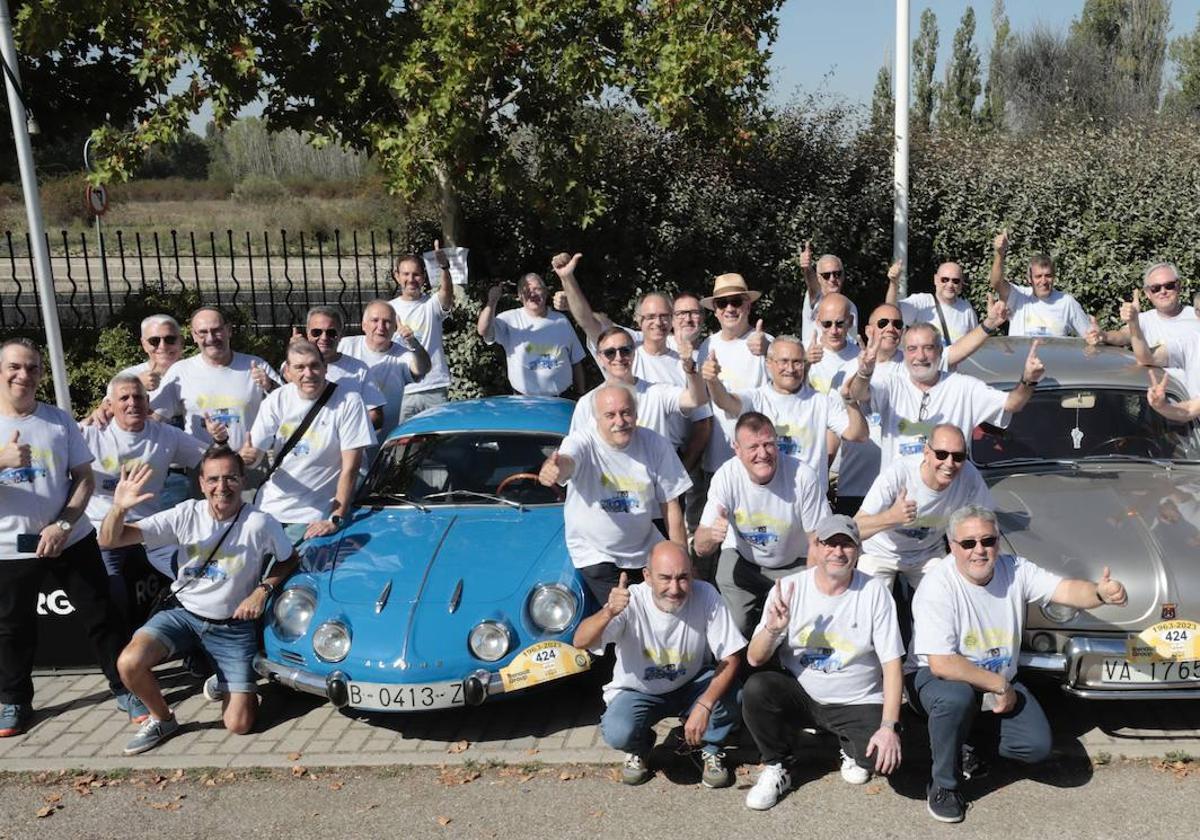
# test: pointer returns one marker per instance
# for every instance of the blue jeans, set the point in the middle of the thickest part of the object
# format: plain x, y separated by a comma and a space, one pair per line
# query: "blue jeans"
626, 724
952, 708
231, 645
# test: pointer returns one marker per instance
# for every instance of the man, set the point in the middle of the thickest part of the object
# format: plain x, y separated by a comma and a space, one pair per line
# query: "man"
1178, 353
774, 504
619, 478
219, 593
1168, 318
836, 633
969, 616
543, 353
45, 483
162, 342
422, 315
1037, 309
949, 312
667, 631
394, 365
910, 404
803, 418
311, 488
903, 518
830, 347
827, 278
218, 391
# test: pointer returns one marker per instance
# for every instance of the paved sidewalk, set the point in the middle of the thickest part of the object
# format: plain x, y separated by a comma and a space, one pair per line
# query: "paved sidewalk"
79, 726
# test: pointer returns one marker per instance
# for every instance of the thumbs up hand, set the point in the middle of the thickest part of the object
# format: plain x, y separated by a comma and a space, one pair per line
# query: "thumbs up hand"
260, 376
618, 597
711, 369
904, 509
14, 454
720, 526
1111, 591
1093, 336
815, 352
549, 474
757, 343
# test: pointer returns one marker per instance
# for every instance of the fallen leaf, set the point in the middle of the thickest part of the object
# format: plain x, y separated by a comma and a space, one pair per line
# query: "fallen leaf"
298, 771
532, 751
52, 798
294, 756
165, 806
615, 774
567, 775
336, 785
458, 747
450, 776
46, 811
178, 777
873, 789
444, 821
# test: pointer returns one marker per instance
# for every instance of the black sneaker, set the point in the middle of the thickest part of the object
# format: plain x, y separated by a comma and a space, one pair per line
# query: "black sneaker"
973, 767
946, 805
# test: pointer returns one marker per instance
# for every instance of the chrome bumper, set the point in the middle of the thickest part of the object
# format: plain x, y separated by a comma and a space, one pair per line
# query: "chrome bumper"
1079, 668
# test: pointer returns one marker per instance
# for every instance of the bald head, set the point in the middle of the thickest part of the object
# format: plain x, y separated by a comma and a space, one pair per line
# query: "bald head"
616, 415
669, 575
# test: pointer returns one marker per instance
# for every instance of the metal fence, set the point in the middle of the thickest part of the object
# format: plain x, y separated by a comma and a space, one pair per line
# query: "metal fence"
273, 277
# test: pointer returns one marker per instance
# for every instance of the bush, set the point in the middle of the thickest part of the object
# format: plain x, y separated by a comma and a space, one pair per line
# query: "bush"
259, 189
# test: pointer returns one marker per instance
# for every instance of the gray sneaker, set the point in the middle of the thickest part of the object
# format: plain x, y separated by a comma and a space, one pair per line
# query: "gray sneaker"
635, 771
212, 692
152, 733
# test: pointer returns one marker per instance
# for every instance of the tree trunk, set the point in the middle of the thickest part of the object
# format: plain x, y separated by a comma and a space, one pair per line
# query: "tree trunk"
453, 232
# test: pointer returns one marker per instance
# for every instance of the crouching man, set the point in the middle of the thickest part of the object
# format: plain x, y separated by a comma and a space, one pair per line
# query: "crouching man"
836, 632
677, 653
217, 596
969, 613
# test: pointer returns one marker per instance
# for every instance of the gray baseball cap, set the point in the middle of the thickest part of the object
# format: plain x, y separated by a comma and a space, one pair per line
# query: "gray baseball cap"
838, 523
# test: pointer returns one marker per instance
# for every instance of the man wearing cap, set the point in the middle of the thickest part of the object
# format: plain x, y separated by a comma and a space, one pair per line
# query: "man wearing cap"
836, 633
762, 511
826, 278
949, 312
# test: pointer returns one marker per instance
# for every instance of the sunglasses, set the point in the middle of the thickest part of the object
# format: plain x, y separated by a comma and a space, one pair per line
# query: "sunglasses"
169, 340
610, 353
735, 301
315, 333
895, 322
955, 280
943, 454
829, 275
1158, 287
986, 542
841, 325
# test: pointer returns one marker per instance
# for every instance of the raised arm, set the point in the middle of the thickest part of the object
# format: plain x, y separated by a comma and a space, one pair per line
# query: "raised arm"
419, 364
445, 290
999, 251
1034, 370
581, 310
115, 532
893, 283
487, 316
722, 399
997, 314
1156, 357
1156, 395
1086, 595
809, 270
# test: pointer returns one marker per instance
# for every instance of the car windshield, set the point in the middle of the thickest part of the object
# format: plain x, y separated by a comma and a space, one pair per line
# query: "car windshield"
474, 468
1072, 424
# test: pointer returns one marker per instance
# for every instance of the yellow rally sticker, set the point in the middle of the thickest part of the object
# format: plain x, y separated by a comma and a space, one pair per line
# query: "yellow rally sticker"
543, 662
1173, 640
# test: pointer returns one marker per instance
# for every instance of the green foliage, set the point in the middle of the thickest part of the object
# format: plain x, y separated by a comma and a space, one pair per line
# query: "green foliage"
259, 189
1185, 52
924, 62
883, 103
186, 157
991, 112
956, 110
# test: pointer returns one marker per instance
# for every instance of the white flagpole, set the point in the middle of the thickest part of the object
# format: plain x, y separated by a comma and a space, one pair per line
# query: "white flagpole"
900, 183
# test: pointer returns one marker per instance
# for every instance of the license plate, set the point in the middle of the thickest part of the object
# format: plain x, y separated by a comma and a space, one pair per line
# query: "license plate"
389, 697
1117, 670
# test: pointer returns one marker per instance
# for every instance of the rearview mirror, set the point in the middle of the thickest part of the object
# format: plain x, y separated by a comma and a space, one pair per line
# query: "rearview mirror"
1083, 399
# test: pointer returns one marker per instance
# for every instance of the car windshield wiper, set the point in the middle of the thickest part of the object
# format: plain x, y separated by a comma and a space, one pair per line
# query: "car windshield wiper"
1139, 459
491, 497
381, 496
1031, 462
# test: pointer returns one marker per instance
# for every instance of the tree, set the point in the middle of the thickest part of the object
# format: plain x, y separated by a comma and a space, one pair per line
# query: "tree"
1185, 52
883, 103
435, 90
991, 112
962, 85
924, 61
1132, 37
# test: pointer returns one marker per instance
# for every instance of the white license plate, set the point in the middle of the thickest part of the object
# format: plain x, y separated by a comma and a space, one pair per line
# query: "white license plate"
1119, 670
390, 697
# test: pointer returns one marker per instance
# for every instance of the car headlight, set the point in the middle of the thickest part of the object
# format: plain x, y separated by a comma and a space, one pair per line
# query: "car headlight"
331, 641
293, 611
552, 607
490, 640
1060, 613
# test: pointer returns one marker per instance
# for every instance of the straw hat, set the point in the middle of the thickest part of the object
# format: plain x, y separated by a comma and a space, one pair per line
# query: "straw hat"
727, 285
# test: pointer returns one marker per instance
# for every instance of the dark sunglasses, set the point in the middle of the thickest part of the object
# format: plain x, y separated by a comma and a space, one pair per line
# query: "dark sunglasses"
986, 542
831, 324
610, 353
735, 301
829, 275
1158, 287
170, 340
315, 333
943, 454
955, 280
895, 322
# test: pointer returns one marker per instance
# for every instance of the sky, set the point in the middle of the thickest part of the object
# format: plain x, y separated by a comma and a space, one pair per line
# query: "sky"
838, 47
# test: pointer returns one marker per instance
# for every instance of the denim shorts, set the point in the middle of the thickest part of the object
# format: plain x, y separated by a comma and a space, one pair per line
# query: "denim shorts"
231, 646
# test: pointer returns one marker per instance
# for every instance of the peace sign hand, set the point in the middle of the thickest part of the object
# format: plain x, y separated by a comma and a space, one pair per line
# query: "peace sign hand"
779, 612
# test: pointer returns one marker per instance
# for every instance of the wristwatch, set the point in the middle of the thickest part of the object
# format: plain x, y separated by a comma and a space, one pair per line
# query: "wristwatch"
64, 525
893, 725
1030, 382
338, 521
266, 587
989, 330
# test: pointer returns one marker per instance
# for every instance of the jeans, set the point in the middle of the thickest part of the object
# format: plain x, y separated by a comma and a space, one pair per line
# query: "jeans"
628, 721
231, 645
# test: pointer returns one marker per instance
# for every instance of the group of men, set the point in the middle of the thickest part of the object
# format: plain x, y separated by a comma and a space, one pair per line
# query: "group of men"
802, 474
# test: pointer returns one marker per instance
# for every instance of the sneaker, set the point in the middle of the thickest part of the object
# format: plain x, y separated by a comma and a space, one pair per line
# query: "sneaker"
773, 782
15, 719
152, 733
197, 665
973, 767
132, 705
946, 805
212, 692
715, 774
635, 771
852, 773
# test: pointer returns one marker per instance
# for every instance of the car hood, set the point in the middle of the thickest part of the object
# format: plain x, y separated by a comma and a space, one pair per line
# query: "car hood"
1140, 520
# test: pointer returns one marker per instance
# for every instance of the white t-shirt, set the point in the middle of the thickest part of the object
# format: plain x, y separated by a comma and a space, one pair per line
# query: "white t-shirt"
540, 351
835, 645
801, 420
658, 652
915, 543
32, 497
657, 409
193, 387
768, 523
238, 564
158, 444
741, 370
138, 370
808, 320
424, 317
390, 371
355, 374
982, 623
615, 495
1159, 329
830, 372
922, 306
908, 414
303, 485
1058, 315
1183, 354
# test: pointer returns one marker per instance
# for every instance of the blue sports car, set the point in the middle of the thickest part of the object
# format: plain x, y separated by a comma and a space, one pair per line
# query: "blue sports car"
450, 582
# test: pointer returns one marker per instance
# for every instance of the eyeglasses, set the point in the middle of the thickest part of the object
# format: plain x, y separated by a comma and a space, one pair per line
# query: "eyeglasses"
610, 353
969, 543
924, 407
734, 300
943, 454
315, 333
169, 340
955, 280
895, 322
661, 316
1158, 287
829, 275
841, 325
688, 313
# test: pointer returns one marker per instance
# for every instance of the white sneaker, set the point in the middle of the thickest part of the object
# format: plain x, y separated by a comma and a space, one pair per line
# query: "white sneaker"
773, 782
852, 773
212, 693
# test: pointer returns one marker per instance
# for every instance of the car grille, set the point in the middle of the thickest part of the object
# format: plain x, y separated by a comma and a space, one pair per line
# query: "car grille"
291, 658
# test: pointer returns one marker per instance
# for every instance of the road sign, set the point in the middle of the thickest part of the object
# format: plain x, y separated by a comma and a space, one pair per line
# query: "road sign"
97, 199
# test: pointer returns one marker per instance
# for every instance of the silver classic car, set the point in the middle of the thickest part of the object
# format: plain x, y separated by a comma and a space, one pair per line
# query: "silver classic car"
1088, 476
